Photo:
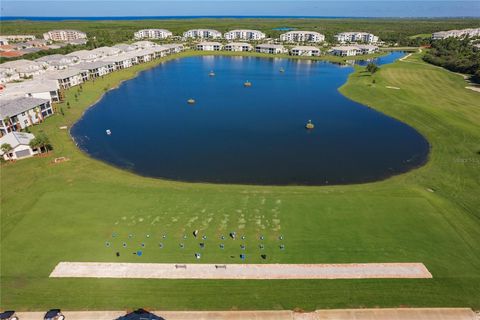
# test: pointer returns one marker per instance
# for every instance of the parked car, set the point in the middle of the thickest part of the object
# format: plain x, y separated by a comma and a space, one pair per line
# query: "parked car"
8, 315
54, 314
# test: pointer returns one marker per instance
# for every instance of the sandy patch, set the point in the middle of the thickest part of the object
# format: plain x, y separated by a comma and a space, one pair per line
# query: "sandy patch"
477, 89
239, 271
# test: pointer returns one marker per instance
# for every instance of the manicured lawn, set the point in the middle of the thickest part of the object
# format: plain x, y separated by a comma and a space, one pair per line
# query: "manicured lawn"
68, 211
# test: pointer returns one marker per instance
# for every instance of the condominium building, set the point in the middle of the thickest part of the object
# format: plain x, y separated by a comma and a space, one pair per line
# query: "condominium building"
121, 61
346, 51
24, 68
152, 34
473, 32
39, 43
58, 61
173, 48
305, 51
42, 89
8, 76
366, 49
145, 55
97, 68
18, 37
144, 44
27, 102
238, 46
67, 78
85, 55
302, 36
106, 51
125, 47
209, 46
18, 113
64, 35
244, 35
20, 144
345, 37
202, 34
270, 48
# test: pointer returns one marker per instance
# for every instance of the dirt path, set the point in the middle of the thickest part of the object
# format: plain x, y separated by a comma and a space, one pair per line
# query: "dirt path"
339, 314
239, 271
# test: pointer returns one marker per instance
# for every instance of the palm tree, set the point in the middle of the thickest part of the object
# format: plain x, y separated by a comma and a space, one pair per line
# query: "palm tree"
41, 142
7, 123
6, 148
372, 68
38, 114
35, 144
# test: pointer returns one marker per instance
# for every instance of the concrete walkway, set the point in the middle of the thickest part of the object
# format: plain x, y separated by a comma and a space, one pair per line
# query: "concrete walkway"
239, 271
340, 314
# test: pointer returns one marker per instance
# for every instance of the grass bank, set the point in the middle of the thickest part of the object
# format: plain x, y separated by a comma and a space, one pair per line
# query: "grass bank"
68, 211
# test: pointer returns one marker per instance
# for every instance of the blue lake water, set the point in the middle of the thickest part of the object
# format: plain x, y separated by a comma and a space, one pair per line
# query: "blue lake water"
255, 135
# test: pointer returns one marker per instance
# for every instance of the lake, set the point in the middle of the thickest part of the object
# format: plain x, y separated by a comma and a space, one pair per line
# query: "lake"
247, 135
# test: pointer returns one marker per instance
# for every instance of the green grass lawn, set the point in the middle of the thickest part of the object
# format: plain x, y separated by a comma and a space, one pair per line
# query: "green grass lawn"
421, 36
68, 211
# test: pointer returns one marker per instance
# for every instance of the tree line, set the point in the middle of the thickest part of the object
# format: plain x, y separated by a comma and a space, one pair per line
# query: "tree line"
454, 54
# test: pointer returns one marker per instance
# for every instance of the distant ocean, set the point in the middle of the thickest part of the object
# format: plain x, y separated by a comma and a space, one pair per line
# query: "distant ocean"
133, 10
195, 17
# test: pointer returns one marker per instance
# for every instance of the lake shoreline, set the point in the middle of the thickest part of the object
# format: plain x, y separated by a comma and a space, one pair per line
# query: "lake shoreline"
128, 168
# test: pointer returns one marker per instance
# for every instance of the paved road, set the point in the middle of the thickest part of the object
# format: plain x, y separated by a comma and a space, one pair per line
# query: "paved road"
343, 314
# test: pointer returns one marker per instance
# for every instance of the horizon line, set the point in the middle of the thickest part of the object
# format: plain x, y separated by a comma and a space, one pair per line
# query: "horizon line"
232, 16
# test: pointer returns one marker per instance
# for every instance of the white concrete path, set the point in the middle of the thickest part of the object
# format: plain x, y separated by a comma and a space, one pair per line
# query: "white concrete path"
340, 314
239, 271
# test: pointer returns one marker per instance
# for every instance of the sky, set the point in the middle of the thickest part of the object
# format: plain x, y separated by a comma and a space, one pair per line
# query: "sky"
321, 8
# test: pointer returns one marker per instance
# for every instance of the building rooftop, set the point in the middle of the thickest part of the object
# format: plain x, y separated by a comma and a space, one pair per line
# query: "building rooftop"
238, 44
83, 54
209, 43
143, 44
92, 65
52, 57
305, 48
163, 30
11, 54
344, 48
121, 57
203, 29
12, 107
30, 50
172, 45
106, 51
76, 42
20, 89
125, 47
7, 47
21, 64
61, 74
267, 45
37, 42
65, 30
14, 139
